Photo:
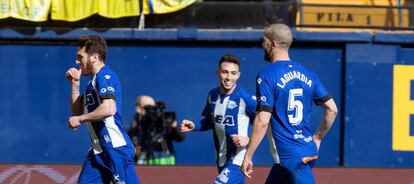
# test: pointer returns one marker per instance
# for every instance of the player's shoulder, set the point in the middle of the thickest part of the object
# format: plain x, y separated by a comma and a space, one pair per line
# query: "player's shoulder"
246, 95
309, 72
214, 91
267, 71
243, 91
301, 67
304, 70
104, 70
273, 69
107, 73
213, 94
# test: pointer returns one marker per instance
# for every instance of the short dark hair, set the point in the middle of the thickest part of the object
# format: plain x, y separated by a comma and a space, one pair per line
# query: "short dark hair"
229, 58
93, 44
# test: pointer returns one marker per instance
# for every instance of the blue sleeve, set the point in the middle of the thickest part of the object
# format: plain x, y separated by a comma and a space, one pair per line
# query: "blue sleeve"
105, 84
205, 123
320, 94
264, 94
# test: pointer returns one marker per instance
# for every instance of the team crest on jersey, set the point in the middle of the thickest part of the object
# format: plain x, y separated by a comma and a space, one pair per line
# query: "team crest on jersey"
107, 139
89, 100
231, 104
107, 76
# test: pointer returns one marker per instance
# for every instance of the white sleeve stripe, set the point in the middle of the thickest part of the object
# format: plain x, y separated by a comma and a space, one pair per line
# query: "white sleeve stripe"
115, 134
242, 128
272, 145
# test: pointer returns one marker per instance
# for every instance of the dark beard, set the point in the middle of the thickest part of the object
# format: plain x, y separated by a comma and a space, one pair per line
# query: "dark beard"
266, 57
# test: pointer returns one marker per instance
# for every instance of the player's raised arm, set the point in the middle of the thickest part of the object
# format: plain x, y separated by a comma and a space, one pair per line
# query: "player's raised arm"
330, 111
73, 76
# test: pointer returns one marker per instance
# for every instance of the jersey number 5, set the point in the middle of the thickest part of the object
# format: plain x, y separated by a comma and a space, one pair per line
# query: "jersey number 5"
295, 105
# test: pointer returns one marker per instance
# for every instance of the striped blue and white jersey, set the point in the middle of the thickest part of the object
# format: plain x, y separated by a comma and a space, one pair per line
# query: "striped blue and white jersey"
108, 133
287, 89
227, 115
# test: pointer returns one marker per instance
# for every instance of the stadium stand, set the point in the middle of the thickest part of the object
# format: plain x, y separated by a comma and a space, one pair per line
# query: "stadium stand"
353, 13
372, 14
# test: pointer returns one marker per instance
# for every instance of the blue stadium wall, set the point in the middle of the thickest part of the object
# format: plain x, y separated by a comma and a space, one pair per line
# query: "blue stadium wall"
178, 67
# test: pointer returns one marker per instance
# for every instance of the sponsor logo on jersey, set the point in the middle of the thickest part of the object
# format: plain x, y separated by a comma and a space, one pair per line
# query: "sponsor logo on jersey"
299, 135
226, 120
110, 88
262, 98
308, 139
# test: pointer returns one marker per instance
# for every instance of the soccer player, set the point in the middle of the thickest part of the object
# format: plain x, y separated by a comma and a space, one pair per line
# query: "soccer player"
112, 153
285, 92
228, 111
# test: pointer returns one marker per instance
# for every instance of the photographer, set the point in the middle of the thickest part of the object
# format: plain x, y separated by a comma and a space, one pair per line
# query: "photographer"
152, 132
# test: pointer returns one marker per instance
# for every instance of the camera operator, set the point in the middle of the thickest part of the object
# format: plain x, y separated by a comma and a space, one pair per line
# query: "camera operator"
152, 132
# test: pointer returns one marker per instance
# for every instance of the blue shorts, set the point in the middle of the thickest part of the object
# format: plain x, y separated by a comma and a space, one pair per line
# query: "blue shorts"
110, 165
278, 175
291, 171
230, 174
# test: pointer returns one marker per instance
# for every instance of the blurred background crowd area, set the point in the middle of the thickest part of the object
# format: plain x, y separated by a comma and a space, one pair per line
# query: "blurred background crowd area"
226, 14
